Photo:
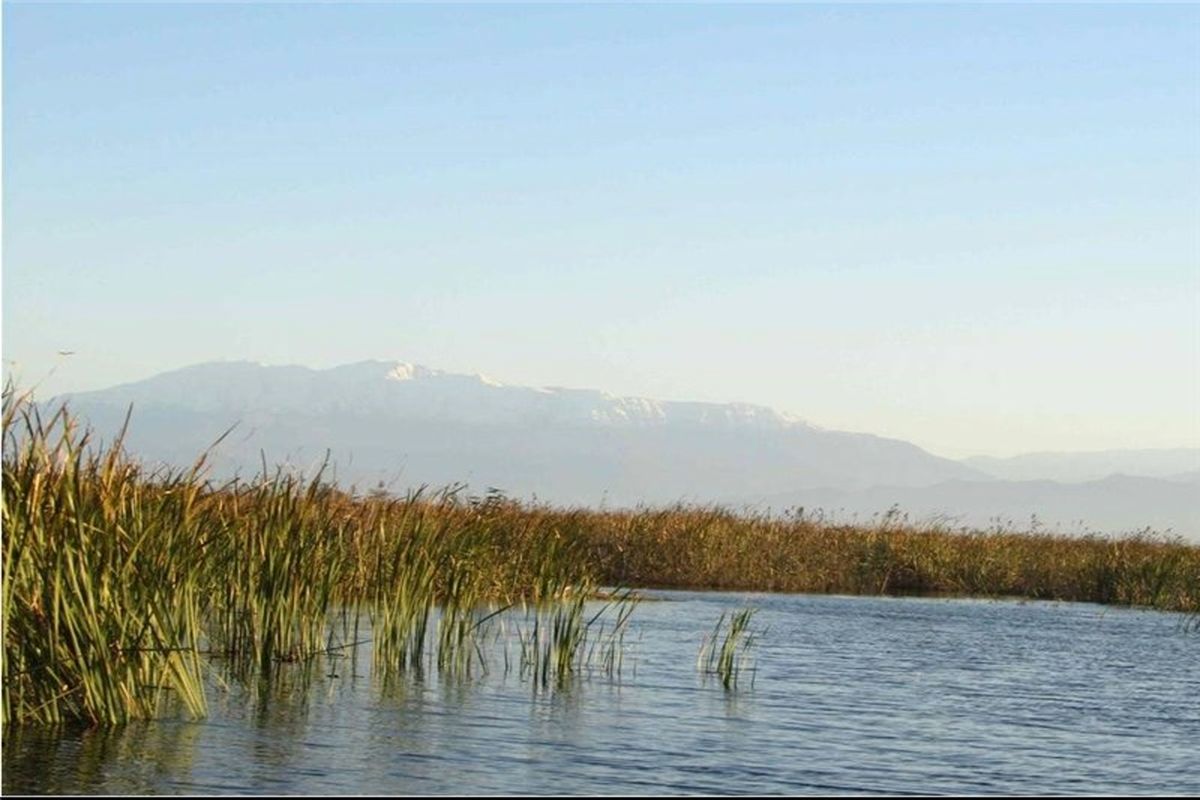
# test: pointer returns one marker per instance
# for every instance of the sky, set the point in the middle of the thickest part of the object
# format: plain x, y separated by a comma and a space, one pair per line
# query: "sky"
976, 228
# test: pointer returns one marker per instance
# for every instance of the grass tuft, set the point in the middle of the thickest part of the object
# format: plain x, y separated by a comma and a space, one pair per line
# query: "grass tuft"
725, 652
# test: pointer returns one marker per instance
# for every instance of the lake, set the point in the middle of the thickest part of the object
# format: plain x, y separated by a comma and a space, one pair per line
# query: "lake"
848, 695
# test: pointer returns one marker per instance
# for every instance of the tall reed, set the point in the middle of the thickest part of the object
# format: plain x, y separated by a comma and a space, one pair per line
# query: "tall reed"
102, 601
562, 641
725, 652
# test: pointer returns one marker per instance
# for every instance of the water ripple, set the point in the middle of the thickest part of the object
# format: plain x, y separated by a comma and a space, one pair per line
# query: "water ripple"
852, 696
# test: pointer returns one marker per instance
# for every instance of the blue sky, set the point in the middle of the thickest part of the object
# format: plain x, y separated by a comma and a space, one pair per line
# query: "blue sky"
973, 227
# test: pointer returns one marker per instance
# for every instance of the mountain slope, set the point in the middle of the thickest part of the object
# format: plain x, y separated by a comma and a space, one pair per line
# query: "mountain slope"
407, 425
1090, 466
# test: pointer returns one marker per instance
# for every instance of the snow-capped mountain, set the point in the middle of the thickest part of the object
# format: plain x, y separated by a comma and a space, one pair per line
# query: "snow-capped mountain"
400, 389
407, 425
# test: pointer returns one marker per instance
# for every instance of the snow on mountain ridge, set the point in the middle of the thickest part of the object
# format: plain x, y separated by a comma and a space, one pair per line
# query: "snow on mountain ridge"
416, 391
395, 421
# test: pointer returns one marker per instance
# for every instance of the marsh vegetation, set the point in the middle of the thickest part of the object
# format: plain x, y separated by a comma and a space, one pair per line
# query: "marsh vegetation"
121, 581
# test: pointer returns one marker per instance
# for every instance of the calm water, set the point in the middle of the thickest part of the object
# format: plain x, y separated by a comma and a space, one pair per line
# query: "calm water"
852, 695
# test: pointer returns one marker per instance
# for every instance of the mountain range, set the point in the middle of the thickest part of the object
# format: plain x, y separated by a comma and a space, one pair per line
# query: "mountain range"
399, 425
1180, 463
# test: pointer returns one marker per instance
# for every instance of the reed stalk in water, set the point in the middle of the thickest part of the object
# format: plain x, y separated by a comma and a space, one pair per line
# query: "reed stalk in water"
726, 652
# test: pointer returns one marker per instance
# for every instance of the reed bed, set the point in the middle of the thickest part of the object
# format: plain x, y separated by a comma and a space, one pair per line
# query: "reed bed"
100, 592
122, 582
713, 547
119, 582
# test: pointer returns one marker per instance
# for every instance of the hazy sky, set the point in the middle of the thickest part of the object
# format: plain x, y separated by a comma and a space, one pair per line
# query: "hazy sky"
973, 227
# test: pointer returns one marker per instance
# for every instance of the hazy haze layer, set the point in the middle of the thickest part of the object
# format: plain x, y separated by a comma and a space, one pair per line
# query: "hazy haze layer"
404, 426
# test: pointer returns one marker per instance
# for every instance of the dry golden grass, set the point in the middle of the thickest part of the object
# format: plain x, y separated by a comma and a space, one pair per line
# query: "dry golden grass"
716, 548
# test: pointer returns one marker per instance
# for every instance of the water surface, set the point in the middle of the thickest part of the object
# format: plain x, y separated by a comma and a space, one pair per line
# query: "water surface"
850, 695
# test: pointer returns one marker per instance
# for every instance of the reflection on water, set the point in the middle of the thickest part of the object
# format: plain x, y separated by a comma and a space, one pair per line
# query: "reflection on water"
148, 755
851, 695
